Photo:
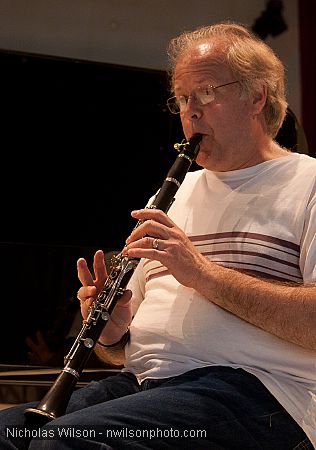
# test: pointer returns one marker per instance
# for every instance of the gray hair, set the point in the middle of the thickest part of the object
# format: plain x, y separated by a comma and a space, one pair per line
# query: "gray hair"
251, 61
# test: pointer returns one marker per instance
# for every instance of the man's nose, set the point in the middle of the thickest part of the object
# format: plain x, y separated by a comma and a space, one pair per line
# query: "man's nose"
193, 109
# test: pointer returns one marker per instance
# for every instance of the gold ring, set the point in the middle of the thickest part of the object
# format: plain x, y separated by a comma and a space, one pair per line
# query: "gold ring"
155, 244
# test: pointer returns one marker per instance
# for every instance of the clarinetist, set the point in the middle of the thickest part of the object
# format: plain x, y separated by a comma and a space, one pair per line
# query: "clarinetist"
217, 329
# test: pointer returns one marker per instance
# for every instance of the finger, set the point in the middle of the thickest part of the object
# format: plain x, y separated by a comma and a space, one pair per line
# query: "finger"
155, 214
86, 292
84, 273
148, 243
86, 302
99, 268
124, 301
134, 250
152, 229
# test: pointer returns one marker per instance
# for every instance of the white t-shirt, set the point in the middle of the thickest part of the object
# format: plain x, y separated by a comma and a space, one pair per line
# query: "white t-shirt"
261, 219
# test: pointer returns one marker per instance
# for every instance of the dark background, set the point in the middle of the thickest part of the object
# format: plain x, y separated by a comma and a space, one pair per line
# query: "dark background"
83, 144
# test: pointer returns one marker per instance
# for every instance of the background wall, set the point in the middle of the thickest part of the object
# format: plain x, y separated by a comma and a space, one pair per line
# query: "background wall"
134, 32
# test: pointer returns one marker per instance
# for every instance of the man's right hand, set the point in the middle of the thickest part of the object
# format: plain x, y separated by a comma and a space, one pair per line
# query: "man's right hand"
121, 315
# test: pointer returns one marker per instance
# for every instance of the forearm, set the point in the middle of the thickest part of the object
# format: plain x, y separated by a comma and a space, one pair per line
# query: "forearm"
113, 356
287, 310
113, 353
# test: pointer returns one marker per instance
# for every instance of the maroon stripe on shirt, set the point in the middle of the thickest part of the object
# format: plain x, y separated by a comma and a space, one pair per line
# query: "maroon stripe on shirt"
246, 235
256, 254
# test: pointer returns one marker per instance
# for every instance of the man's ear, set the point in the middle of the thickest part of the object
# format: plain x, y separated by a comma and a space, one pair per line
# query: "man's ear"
259, 98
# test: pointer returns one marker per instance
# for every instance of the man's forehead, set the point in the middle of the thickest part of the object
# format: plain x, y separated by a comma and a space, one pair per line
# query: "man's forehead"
202, 57
204, 53
204, 49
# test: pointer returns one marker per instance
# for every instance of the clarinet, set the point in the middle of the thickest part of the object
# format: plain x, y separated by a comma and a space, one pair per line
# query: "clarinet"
55, 402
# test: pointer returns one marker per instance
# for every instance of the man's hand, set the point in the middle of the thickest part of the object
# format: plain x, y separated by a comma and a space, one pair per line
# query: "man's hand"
122, 313
159, 238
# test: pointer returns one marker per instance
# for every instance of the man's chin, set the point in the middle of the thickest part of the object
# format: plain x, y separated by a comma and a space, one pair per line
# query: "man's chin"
203, 158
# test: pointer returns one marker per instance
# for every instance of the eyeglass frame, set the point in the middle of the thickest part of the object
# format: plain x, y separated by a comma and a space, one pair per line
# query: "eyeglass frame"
186, 97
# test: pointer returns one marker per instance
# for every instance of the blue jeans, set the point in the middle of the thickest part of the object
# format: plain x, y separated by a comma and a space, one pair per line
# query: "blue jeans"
217, 408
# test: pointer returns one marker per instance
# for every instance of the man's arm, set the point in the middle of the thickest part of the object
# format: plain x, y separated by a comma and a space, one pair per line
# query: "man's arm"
287, 310
114, 356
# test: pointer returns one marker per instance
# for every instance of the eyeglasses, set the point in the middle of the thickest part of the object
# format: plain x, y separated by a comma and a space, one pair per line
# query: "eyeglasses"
203, 95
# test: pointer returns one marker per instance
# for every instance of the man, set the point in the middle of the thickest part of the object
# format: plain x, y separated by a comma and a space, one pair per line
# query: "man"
222, 307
